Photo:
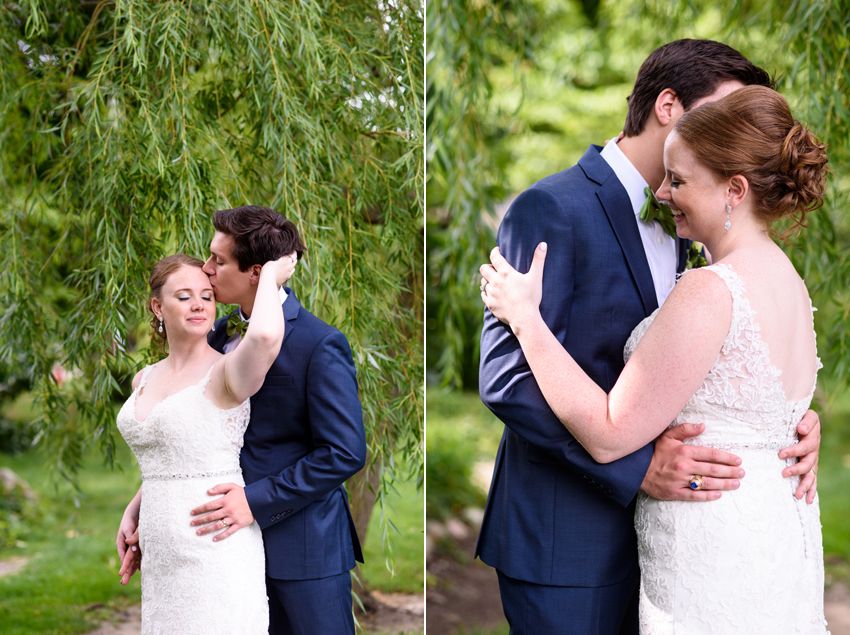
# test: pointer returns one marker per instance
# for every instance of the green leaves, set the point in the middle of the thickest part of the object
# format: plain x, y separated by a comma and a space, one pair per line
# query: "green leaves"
124, 125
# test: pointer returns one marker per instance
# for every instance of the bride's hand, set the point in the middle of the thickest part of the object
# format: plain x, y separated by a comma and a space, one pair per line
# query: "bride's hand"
511, 296
283, 267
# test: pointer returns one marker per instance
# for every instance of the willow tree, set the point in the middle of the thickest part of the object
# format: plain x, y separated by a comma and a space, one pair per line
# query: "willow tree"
125, 124
516, 83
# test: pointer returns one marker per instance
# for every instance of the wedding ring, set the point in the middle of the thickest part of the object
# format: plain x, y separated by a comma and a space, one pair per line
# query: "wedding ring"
483, 286
695, 482
224, 522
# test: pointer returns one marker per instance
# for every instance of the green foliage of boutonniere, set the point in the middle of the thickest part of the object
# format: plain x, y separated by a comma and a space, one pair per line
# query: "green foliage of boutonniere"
695, 257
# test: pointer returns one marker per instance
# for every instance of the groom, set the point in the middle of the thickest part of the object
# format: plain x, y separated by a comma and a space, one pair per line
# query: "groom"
558, 527
304, 440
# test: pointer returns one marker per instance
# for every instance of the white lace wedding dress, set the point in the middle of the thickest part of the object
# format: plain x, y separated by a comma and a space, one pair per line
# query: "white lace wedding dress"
191, 584
750, 563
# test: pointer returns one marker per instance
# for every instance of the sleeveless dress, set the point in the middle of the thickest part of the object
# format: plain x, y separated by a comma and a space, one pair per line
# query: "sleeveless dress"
752, 561
191, 584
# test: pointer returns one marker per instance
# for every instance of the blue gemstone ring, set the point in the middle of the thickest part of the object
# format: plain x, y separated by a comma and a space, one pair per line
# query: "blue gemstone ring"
695, 482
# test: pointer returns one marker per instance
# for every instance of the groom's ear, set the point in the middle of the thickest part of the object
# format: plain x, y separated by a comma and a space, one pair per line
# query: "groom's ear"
668, 108
255, 273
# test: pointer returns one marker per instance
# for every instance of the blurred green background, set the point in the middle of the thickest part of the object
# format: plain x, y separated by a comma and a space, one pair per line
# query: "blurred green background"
517, 91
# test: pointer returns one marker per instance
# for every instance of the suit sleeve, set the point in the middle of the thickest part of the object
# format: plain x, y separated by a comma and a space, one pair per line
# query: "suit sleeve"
506, 384
336, 423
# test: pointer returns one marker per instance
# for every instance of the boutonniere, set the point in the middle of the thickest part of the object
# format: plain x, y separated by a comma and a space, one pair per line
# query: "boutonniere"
695, 257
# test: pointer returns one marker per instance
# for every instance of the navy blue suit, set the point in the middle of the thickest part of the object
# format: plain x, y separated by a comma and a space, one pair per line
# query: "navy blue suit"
554, 516
304, 440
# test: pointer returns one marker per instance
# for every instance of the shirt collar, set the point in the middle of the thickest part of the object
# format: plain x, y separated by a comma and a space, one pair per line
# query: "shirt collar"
627, 173
282, 294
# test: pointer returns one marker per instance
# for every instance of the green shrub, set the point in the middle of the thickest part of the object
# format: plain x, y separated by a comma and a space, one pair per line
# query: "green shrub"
461, 432
449, 462
15, 436
19, 508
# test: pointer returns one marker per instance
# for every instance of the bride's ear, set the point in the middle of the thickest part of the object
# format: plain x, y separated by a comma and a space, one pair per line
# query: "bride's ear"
156, 307
736, 190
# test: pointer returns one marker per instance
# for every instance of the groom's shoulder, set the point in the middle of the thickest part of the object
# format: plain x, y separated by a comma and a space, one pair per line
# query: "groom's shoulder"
590, 171
316, 329
568, 190
584, 177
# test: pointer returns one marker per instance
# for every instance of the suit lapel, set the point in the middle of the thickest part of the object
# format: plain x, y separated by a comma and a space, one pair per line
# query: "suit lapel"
612, 195
682, 246
218, 336
291, 308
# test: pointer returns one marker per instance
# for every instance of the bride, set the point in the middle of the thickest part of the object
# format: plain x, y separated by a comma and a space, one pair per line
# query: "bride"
734, 347
184, 422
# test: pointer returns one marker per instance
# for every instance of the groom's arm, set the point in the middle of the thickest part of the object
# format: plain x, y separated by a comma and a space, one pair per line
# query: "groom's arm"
506, 384
336, 423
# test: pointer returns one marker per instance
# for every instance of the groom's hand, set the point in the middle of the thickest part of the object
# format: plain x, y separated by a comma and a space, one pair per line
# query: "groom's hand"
808, 430
674, 463
230, 512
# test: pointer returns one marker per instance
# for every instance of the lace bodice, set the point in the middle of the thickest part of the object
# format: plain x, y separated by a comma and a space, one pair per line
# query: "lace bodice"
185, 434
742, 385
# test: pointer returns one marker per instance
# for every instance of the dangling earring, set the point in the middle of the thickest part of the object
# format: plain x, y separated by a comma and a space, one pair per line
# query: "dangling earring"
160, 325
728, 224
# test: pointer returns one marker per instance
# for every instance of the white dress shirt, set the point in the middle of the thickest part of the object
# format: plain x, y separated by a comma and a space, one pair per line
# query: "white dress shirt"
233, 341
660, 248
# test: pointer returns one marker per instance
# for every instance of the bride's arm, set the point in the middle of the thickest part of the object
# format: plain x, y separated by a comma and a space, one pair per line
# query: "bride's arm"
243, 371
668, 366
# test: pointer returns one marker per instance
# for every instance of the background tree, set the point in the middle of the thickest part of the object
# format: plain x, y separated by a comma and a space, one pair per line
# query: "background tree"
124, 125
518, 90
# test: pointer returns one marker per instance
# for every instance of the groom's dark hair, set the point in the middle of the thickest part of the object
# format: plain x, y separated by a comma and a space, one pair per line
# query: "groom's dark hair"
259, 234
692, 69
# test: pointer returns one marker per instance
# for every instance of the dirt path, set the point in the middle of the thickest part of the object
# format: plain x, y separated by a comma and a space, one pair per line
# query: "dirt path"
399, 613
12, 565
467, 595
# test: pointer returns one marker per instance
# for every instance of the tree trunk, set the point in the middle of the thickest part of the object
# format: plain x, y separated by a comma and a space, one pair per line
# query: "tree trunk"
362, 488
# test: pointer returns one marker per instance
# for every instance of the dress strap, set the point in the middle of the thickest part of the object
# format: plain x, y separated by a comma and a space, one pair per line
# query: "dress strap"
203, 383
145, 373
733, 280
815, 335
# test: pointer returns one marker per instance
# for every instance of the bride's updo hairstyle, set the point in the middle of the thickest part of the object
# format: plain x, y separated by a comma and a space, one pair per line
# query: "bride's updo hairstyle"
751, 132
159, 276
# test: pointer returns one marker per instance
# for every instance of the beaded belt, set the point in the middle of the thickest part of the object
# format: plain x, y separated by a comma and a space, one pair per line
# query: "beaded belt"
182, 477
728, 447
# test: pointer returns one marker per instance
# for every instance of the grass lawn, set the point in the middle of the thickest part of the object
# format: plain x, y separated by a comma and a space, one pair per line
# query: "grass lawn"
72, 559
70, 583
406, 511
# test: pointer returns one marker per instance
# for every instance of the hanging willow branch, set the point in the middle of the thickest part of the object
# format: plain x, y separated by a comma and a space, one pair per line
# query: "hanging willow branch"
124, 125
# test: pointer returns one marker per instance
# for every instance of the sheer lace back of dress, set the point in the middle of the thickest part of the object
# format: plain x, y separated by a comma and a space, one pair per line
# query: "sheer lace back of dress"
743, 383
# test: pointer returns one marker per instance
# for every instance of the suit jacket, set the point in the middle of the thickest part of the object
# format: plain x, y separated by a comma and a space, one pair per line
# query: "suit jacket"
304, 440
554, 516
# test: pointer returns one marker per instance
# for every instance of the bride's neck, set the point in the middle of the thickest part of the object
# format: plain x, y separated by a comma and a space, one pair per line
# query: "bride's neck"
748, 235
183, 354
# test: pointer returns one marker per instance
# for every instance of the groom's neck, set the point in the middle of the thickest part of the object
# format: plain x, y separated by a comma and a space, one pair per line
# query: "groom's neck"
646, 152
247, 305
